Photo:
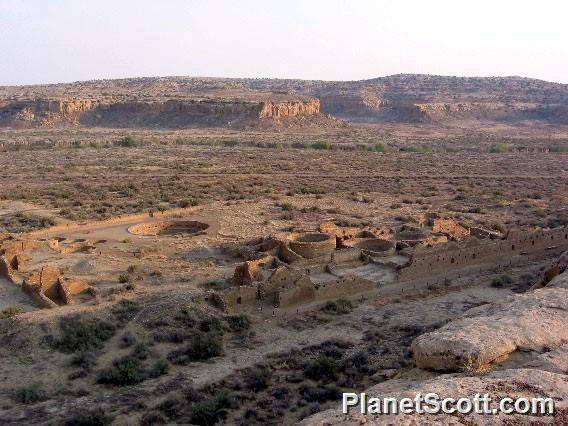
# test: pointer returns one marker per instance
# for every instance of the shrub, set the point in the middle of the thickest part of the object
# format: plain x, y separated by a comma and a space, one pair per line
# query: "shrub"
125, 310
417, 148
127, 340
83, 336
256, 378
188, 203
96, 417
128, 142
207, 412
140, 351
170, 336
286, 206
159, 368
30, 394
558, 148
313, 393
211, 411
153, 418
501, 280
238, 322
498, 148
124, 278
498, 227
339, 307
323, 367
201, 346
9, 312
379, 147
84, 359
123, 372
300, 145
211, 324
172, 406
322, 145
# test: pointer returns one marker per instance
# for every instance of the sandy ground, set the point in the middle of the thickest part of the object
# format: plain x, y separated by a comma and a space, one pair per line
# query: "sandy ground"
12, 296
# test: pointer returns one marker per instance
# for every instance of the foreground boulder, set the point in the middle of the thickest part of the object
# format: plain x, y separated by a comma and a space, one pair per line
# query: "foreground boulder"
534, 321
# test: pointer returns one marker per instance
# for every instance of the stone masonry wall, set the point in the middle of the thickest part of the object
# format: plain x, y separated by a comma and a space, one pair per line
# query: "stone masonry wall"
447, 257
345, 286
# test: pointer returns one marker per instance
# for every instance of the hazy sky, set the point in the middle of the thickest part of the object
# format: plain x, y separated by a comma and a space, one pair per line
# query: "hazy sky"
43, 41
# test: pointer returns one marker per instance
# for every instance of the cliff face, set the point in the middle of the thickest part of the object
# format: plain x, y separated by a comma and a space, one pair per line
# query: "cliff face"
184, 101
351, 104
133, 113
289, 109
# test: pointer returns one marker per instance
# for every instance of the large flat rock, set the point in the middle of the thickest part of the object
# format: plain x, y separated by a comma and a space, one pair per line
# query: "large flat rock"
534, 321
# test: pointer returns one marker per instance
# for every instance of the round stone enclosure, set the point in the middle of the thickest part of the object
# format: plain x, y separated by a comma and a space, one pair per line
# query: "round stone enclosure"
312, 244
375, 246
169, 227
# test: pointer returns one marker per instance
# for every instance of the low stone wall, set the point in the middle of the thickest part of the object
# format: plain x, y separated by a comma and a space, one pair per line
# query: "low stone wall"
427, 261
288, 255
345, 286
282, 278
373, 246
112, 221
5, 271
303, 291
14, 250
250, 271
34, 292
346, 255
311, 245
230, 299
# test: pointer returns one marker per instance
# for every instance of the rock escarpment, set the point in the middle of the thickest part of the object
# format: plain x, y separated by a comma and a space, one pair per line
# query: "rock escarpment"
110, 112
186, 101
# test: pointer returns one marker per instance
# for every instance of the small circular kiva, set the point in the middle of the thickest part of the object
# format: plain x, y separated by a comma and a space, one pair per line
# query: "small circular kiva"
169, 227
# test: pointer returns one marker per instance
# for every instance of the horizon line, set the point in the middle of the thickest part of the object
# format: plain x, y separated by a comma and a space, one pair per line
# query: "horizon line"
283, 78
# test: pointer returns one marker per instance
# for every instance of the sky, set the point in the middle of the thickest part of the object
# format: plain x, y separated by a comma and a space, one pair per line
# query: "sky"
50, 41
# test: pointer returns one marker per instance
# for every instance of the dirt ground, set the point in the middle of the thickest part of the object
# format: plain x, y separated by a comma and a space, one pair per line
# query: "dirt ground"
124, 355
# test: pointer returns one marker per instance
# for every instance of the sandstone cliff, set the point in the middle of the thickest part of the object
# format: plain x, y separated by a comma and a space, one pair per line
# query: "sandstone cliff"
184, 101
106, 112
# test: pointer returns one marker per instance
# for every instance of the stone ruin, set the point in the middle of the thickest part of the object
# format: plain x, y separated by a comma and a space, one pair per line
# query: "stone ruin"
300, 268
286, 272
47, 287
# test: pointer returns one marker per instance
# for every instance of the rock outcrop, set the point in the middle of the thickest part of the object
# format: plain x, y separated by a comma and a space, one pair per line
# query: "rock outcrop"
184, 101
534, 321
108, 112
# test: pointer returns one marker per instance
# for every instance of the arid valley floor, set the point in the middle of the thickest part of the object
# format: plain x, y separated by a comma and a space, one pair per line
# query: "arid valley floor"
248, 264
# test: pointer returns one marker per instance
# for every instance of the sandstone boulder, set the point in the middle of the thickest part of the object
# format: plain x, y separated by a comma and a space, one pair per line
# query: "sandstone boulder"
532, 321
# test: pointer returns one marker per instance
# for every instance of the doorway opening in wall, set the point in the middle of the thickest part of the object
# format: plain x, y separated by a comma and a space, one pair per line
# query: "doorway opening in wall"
239, 300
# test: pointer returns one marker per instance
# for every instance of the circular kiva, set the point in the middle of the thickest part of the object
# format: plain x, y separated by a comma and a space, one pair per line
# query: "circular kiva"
169, 227
313, 244
374, 246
